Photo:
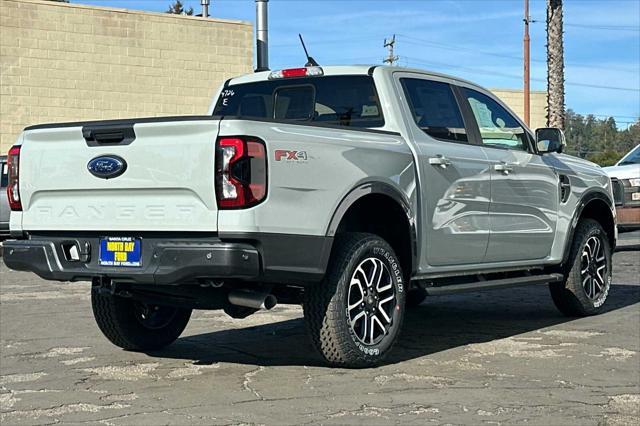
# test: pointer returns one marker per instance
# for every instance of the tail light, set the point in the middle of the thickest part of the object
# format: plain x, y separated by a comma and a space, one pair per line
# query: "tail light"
13, 187
241, 172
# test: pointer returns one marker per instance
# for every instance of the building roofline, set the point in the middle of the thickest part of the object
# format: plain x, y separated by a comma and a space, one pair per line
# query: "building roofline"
542, 92
131, 11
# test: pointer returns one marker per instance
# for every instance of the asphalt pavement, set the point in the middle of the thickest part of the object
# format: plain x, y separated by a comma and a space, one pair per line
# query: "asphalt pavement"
498, 357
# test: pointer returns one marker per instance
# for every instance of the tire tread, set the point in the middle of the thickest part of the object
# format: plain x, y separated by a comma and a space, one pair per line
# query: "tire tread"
564, 293
115, 318
323, 314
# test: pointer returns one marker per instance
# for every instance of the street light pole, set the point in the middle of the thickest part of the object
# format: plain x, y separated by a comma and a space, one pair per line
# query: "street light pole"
205, 8
262, 35
527, 63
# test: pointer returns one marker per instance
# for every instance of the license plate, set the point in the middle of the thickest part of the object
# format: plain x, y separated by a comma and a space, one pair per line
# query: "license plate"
635, 196
121, 252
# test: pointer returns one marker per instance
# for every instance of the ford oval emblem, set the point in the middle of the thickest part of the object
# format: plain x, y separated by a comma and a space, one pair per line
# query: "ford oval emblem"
107, 166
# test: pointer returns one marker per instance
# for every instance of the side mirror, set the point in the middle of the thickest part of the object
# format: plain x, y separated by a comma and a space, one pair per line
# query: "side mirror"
550, 139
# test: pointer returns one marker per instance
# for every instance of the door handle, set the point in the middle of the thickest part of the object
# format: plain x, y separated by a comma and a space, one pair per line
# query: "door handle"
440, 160
505, 168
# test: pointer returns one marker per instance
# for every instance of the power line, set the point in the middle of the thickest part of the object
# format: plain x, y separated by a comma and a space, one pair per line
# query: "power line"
447, 46
506, 75
614, 116
334, 41
606, 27
453, 47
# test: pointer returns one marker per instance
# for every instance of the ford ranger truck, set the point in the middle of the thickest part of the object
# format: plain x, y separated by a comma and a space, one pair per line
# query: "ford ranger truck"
355, 191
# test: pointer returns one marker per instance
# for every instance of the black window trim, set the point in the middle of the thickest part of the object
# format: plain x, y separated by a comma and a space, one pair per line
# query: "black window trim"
460, 91
411, 108
295, 86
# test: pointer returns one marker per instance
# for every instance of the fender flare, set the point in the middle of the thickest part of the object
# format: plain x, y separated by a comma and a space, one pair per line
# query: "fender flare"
587, 198
368, 188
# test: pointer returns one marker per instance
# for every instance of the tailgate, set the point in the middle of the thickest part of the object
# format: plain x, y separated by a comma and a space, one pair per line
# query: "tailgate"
167, 185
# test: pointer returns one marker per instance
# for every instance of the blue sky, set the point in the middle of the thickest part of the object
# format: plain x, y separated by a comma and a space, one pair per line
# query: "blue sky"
477, 40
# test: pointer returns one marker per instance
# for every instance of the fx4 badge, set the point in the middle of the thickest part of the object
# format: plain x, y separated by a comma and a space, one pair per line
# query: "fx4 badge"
284, 155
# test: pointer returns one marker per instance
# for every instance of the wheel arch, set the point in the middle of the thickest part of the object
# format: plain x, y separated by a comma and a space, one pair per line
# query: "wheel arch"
598, 206
401, 234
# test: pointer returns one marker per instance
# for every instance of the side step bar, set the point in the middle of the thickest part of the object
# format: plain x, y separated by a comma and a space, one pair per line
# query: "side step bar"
493, 284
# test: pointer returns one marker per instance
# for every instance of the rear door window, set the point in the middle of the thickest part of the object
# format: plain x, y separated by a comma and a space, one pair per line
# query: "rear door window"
434, 109
348, 100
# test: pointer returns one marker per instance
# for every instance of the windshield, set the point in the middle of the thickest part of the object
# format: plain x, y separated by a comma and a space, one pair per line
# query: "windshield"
633, 157
348, 100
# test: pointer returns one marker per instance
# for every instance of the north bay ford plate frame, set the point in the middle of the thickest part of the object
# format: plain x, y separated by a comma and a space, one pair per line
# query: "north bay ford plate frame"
120, 252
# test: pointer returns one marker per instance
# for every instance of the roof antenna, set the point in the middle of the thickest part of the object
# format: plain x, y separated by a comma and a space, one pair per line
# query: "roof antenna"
310, 61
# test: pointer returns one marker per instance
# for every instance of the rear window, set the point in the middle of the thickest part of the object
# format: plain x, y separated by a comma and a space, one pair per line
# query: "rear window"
335, 100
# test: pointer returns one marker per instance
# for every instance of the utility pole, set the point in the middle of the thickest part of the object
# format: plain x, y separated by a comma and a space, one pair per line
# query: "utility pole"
527, 63
390, 45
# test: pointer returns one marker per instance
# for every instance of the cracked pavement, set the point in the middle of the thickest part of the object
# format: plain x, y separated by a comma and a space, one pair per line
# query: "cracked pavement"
495, 357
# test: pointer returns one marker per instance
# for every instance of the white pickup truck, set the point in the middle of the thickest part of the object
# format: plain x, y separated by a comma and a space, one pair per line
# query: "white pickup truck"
355, 191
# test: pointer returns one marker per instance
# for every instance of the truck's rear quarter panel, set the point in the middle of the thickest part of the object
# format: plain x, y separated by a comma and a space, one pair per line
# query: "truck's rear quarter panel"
305, 192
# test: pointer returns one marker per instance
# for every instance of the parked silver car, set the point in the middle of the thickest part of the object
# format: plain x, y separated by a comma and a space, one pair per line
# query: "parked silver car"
625, 179
4, 202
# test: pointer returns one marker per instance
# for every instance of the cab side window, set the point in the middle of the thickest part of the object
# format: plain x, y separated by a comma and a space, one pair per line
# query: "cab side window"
435, 109
498, 128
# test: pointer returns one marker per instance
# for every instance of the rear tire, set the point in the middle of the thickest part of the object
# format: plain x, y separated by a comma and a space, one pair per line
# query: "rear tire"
136, 326
588, 273
355, 314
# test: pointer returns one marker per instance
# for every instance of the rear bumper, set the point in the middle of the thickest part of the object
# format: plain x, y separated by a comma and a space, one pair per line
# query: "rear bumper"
274, 258
164, 262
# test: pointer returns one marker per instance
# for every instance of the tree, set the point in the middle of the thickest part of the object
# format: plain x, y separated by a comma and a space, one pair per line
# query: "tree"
606, 158
555, 65
177, 8
599, 140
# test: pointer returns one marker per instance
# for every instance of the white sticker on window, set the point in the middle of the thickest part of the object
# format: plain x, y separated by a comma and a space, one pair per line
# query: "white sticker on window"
369, 110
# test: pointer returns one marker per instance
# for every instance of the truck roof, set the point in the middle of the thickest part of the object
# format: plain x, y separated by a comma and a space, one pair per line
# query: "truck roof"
353, 70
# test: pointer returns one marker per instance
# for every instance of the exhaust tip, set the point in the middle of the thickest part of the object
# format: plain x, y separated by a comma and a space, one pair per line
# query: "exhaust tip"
253, 300
270, 302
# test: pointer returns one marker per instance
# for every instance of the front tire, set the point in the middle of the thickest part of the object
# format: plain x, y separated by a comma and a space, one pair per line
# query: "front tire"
355, 314
588, 275
137, 326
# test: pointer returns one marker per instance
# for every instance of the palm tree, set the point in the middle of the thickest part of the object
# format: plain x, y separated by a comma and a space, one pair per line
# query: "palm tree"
555, 65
